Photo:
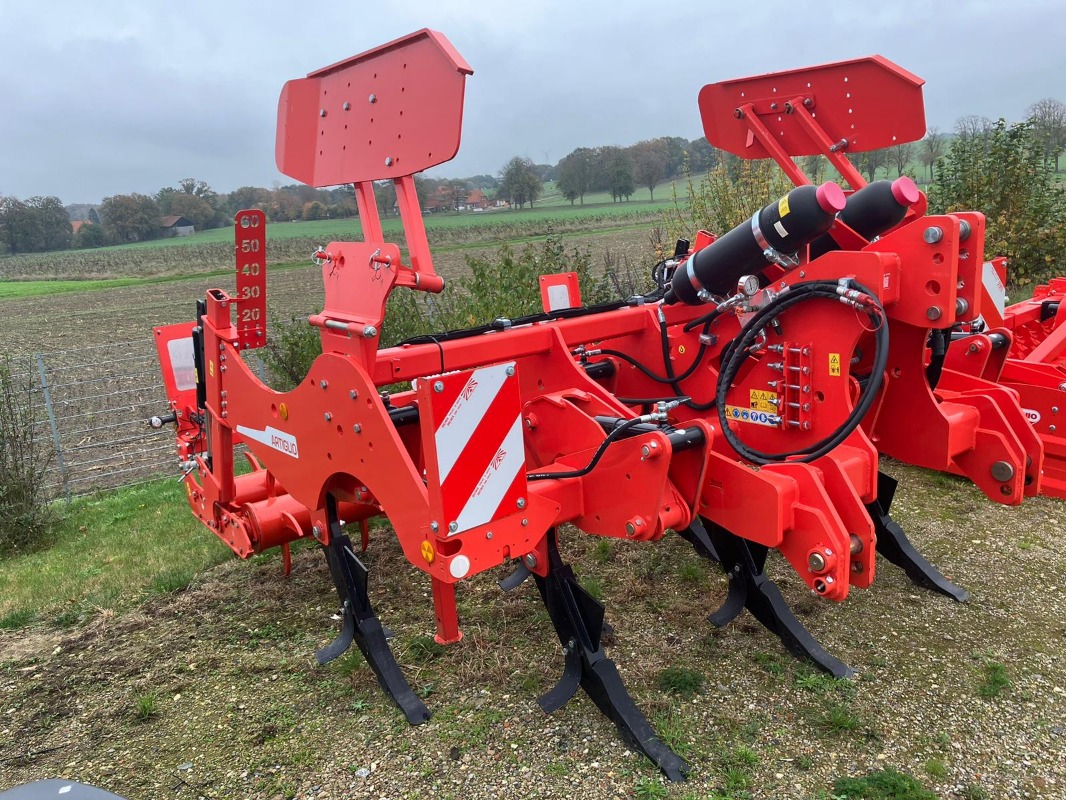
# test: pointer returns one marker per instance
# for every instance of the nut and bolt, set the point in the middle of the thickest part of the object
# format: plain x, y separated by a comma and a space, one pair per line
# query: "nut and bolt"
488, 534
347, 106
438, 386
327, 416
316, 532
521, 502
370, 332
961, 306
353, 394
453, 527
388, 161
373, 98
321, 112
324, 384
357, 428
510, 371
433, 526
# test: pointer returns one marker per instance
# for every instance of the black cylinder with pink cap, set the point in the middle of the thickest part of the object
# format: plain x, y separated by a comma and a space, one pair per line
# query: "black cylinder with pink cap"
872, 210
784, 226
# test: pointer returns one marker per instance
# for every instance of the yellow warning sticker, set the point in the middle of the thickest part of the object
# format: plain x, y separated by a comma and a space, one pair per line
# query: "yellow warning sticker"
782, 207
762, 400
834, 364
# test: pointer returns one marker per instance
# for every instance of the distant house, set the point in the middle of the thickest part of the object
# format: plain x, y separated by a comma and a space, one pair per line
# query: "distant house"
477, 199
176, 226
440, 200
77, 223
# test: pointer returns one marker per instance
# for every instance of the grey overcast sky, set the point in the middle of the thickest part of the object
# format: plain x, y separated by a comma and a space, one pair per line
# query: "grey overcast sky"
118, 96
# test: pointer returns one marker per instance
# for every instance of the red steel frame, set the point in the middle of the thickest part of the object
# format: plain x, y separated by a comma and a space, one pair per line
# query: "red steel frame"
967, 425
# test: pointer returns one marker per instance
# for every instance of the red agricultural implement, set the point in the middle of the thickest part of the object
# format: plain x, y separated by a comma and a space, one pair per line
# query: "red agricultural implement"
741, 403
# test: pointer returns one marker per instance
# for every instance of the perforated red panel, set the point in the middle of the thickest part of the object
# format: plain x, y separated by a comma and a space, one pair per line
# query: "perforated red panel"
391, 111
870, 101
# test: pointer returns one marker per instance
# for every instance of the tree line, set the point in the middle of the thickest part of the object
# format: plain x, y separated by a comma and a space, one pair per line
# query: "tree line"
39, 223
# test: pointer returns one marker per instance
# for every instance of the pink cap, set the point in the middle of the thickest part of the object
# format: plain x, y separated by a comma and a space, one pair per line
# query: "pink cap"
905, 190
831, 198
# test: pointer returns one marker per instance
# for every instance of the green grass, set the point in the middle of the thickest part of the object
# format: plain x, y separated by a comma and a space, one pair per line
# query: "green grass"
936, 768
146, 706
112, 551
597, 205
887, 784
994, 679
681, 681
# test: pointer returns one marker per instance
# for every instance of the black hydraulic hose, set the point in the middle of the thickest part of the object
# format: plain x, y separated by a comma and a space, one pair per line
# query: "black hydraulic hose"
826, 290
938, 347
612, 437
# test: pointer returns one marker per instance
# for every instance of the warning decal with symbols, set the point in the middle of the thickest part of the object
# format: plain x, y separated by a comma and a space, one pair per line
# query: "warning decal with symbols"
834, 364
762, 400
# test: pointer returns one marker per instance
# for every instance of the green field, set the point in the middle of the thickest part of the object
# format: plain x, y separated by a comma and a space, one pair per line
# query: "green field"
556, 207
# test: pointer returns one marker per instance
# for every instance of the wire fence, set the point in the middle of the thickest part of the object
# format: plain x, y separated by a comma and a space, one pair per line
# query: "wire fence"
92, 406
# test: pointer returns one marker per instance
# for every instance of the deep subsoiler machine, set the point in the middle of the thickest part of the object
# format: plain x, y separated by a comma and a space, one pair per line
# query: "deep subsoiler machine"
741, 404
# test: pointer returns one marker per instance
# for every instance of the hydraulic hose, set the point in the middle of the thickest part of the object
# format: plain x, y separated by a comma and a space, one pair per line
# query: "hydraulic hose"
861, 299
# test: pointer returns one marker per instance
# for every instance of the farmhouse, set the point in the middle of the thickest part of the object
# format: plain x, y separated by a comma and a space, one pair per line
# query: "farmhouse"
174, 225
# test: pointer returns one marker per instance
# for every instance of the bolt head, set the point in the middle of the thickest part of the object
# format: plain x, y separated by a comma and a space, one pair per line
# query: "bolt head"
433, 526
370, 332
353, 394
373, 98
530, 560
1002, 471
316, 532
347, 106
357, 428
510, 371
327, 416
933, 234
321, 112
438, 386
816, 562
324, 384
453, 527
388, 161
933, 313
521, 502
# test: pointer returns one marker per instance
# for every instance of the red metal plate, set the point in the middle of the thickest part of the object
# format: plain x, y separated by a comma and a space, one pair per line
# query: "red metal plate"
391, 111
249, 233
870, 101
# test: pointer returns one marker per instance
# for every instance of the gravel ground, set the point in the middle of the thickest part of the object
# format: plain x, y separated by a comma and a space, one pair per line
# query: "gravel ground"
235, 707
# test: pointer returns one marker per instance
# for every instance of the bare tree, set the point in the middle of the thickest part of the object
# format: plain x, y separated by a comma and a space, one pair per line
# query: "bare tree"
871, 161
1048, 117
902, 154
931, 149
972, 127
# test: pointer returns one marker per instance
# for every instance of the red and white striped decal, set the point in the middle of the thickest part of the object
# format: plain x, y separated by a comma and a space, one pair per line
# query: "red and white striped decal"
477, 439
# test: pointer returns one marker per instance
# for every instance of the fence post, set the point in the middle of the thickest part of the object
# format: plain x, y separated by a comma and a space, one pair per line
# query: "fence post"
52, 422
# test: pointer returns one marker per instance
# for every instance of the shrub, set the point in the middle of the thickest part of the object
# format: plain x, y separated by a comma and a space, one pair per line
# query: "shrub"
1003, 174
726, 196
26, 516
